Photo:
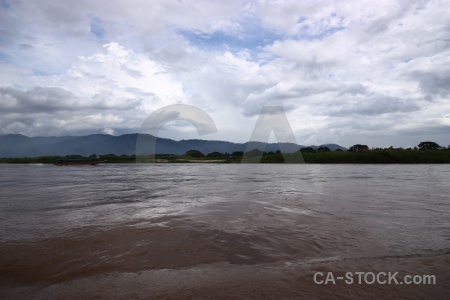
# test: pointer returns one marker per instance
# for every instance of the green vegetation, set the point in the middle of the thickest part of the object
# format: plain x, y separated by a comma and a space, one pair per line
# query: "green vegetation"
428, 146
429, 153
194, 154
358, 148
380, 156
323, 149
307, 150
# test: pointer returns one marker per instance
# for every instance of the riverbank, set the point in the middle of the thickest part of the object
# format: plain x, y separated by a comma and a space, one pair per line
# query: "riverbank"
386, 156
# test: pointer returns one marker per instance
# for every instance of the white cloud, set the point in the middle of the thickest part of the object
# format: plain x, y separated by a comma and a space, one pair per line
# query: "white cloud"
116, 87
109, 131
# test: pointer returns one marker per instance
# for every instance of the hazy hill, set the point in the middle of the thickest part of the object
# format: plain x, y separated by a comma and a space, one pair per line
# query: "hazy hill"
16, 145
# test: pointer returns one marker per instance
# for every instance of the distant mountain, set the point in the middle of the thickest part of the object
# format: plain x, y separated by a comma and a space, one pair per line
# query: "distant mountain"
16, 145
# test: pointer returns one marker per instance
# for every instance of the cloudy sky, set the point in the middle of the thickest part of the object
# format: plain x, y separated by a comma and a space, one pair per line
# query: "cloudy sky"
346, 72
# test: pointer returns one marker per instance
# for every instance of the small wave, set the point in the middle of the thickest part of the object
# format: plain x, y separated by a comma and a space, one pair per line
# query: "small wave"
287, 209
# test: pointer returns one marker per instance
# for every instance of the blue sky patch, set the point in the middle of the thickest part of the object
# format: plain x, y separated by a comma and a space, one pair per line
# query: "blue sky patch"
97, 29
253, 38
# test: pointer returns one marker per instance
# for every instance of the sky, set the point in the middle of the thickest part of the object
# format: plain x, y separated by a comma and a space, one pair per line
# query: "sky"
345, 72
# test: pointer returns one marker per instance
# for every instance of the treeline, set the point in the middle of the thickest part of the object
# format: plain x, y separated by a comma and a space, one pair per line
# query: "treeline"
189, 157
379, 156
425, 153
52, 159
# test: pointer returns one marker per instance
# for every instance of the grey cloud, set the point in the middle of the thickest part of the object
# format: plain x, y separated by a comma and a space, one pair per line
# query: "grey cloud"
427, 129
75, 122
7, 38
361, 123
140, 93
434, 83
66, 16
273, 95
304, 94
38, 99
131, 72
276, 95
107, 100
54, 99
254, 108
313, 68
372, 106
381, 24
353, 89
384, 130
25, 47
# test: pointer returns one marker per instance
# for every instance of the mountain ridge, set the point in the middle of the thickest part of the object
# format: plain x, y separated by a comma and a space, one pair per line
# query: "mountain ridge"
18, 145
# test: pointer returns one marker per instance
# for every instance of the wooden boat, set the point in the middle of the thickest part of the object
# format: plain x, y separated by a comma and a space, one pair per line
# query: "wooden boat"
78, 162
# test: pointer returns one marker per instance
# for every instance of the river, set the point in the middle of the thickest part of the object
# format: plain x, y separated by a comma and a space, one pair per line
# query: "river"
139, 231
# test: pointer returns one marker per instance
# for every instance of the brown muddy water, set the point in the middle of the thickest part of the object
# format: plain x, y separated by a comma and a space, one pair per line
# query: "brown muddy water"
197, 231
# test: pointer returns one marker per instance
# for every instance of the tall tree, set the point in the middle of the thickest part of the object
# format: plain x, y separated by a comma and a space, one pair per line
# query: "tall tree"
308, 150
323, 149
428, 145
194, 153
358, 148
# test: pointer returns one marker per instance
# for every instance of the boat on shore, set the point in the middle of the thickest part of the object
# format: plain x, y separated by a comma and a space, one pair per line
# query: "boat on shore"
78, 162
